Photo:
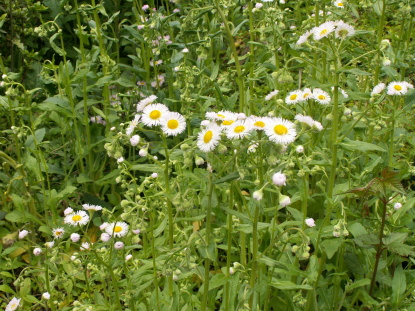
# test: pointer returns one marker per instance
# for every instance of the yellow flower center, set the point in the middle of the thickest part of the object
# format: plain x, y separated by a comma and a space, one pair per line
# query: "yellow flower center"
208, 136
172, 124
117, 229
155, 114
324, 32
280, 129
239, 129
305, 95
221, 116
397, 87
227, 122
293, 97
58, 233
76, 218
340, 4
259, 124
321, 97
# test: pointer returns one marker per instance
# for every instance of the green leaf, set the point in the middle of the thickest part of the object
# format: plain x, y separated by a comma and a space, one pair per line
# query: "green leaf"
25, 287
246, 228
160, 228
209, 251
16, 216
357, 229
6, 289
30, 299
355, 145
401, 249
396, 237
355, 71
331, 246
360, 283
378, 7
217, 280
398, 285
287, 285
367, 240
39, 135
231, 176
150, 168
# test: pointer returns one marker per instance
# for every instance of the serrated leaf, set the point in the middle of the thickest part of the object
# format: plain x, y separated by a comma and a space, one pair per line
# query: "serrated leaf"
401, 249
367, 240
331, 246
396, 237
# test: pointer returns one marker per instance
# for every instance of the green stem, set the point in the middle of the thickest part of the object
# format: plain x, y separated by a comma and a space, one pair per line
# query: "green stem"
379, 248
241, 84
379, 40
207, 243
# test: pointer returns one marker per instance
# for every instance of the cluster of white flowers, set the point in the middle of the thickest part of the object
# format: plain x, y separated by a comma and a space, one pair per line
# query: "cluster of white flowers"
237, 126
315, 125
339, 28
393, 88
298, 96
155, 114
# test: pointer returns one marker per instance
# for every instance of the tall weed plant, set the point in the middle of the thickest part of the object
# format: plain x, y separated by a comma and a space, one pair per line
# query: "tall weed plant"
207, 155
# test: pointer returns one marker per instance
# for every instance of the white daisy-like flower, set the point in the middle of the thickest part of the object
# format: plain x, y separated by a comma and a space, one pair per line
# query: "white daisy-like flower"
146, 101
75, 237
293, 97
321, 97
398, 88
37, 251
209, 138
222, 115
173, 123
58, 233
117, 229
408, 85
378, 88
344, 30
306, 94
239, 129
281, 131
92, 207
259, 123
13, 304
77, 218
68, 211
271, 95
323, 30
339, 3
303, 38
153, 113
128, 257
305, 119
133, 124
343, 92
317, 126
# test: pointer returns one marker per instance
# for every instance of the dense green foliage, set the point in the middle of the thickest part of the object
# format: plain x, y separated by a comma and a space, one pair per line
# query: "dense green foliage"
283, 182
